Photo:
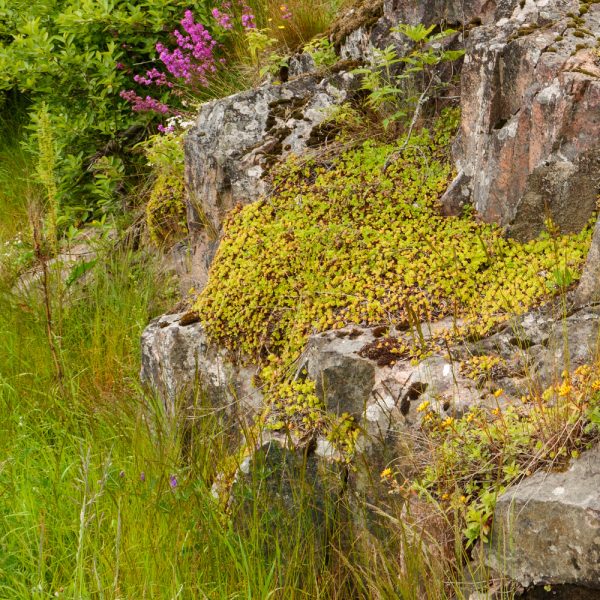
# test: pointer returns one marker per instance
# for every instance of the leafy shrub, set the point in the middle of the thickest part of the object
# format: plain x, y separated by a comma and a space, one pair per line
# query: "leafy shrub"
75, 56
321, 51
398, 93
84, 59
166, 210
472, 460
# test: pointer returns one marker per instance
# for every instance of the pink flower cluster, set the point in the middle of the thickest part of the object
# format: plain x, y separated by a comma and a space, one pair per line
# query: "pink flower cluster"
153, 77
225, 19
286, 13
222, 18
248, 21
146, 104
193, 59
167, 129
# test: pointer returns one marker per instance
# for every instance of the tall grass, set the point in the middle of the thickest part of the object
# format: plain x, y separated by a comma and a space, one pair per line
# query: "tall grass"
104, 495
88, 502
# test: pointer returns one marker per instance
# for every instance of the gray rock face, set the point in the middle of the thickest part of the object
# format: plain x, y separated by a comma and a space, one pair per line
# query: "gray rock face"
540, 345
547, 528
372, 25
343, 378
178, 361
382, 396
530, 133
537, 347
588, 291
452, 12
236, 139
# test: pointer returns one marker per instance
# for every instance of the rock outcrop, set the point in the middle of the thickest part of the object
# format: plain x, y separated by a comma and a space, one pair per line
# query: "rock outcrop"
383, 393
529, 149
547, 528
181, 365
530, 132
236, 139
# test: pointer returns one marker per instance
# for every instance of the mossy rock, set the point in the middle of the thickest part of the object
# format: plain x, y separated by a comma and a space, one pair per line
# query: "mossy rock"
349, 243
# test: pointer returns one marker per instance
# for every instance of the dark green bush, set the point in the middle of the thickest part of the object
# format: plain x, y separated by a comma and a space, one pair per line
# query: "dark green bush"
76, 56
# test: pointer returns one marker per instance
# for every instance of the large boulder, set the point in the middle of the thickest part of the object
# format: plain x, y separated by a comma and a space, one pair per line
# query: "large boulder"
530, 134
181, 365
236, 139
547, 528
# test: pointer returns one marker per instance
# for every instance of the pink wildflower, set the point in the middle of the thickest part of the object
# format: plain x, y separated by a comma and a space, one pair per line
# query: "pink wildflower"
222, 18
147, 104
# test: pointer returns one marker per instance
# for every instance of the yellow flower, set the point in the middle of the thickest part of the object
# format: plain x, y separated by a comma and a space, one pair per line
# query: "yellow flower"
423, 406
564, 389
386, 473
448, 422
498, 392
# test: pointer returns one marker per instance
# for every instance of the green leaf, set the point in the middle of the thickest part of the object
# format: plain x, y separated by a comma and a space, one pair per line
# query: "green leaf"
79, 270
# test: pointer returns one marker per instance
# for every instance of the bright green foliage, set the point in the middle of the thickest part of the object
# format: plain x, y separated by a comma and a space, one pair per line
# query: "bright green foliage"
321, 51
483, 368
166, 211
397, 93
296, 407
66, 53
346, 243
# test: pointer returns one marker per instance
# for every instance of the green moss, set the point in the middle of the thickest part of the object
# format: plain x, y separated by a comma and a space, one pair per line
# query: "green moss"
165, 211
346, 243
